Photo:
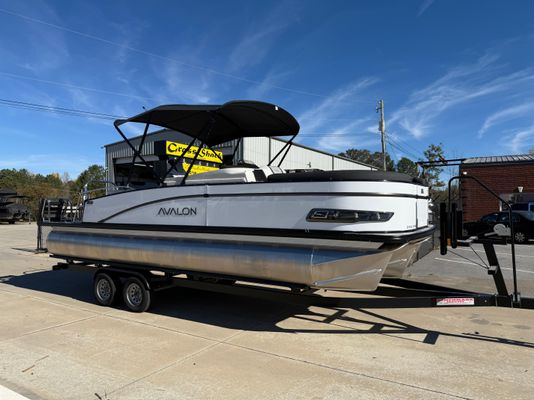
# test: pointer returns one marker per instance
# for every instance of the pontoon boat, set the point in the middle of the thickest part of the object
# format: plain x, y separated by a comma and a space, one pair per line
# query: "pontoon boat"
320, 229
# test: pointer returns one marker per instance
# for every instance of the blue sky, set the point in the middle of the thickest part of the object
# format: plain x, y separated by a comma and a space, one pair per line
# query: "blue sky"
451, 71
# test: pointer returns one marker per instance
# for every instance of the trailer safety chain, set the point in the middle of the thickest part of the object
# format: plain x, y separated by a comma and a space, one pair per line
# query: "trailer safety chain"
481, 259
485, 266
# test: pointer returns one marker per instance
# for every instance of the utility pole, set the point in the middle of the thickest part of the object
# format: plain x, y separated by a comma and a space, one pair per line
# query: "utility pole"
382, 129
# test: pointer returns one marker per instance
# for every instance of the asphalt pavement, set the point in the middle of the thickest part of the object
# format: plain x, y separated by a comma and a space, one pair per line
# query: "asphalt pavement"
466, 268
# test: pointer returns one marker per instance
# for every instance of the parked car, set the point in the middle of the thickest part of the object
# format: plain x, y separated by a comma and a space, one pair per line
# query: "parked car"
523, 226
525, 209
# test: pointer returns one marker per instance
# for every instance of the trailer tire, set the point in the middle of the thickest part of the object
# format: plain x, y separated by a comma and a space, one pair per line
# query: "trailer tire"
11, 222
135, 295
105, 289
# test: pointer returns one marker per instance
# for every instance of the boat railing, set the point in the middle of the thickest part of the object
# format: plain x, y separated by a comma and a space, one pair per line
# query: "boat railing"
107, 188
59, 210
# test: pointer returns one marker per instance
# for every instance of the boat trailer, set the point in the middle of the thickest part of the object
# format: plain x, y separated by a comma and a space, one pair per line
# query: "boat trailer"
138, 282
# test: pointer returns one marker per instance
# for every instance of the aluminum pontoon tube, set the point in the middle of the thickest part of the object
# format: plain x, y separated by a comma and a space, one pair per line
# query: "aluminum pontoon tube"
310, 265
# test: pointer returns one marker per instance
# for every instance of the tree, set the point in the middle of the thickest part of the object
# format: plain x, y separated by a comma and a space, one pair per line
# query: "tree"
91, 176
407, 166
434, 153
38, 186
366, 157
33, 186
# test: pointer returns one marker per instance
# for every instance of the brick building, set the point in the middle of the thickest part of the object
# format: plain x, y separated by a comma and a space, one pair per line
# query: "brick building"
511, 177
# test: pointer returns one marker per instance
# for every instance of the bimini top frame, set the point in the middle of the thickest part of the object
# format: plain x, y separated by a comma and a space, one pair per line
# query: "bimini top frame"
215, 124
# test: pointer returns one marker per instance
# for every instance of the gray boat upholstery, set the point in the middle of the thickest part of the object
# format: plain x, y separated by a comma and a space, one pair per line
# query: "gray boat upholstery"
234, 175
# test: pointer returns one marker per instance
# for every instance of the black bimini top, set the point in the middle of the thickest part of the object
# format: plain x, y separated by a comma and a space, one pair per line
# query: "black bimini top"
232, 120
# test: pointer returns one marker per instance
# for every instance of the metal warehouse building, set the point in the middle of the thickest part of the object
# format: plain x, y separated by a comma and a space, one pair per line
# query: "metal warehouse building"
511, 177
251, 150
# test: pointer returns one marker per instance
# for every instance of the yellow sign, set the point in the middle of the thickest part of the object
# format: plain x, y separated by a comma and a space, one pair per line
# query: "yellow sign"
177, 149
198, 169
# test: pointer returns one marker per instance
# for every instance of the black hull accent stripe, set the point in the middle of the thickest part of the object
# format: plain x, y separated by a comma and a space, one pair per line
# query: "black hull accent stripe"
383, 237
205, 195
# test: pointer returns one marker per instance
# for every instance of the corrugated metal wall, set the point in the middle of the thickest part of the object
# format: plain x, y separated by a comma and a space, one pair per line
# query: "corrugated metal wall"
260, 150
121, 150
257, 150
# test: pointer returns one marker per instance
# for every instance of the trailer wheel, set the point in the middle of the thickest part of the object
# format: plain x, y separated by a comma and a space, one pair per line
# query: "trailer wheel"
135, 295
105, 289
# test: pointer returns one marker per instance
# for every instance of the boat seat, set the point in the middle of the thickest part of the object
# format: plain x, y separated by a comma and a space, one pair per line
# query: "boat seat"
261, 174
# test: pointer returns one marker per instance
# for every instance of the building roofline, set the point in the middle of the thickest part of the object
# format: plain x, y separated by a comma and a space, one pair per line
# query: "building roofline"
274, 138
136, 137
496, 160
326, 153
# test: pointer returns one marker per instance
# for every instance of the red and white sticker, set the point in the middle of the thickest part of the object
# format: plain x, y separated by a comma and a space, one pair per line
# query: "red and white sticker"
456, 301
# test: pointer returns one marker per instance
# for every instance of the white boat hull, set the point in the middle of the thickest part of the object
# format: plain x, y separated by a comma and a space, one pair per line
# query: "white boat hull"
255, 231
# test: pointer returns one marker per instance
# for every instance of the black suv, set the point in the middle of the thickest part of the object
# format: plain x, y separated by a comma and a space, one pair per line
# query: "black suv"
523, 226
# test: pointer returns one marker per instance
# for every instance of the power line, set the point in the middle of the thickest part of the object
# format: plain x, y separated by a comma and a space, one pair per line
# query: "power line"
148, 53
406, 143
56, 110
71, 86
404, 150
396, 158
93, 114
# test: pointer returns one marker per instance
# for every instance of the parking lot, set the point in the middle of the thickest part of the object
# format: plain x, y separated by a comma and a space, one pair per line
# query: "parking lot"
55, 343
464, 268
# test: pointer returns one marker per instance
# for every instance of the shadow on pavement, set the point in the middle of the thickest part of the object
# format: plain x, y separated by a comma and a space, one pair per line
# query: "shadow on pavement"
249, 313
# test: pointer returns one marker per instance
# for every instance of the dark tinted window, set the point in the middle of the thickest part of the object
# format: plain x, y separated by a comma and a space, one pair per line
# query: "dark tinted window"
504, 217
489, 218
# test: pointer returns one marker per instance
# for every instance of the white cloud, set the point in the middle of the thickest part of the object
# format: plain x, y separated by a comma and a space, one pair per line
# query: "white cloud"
271, 81
507, 114
460, 85
327, 122
520, 141
256, 42
424, 6
184, 85
346, 136
329, 109
45, 49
